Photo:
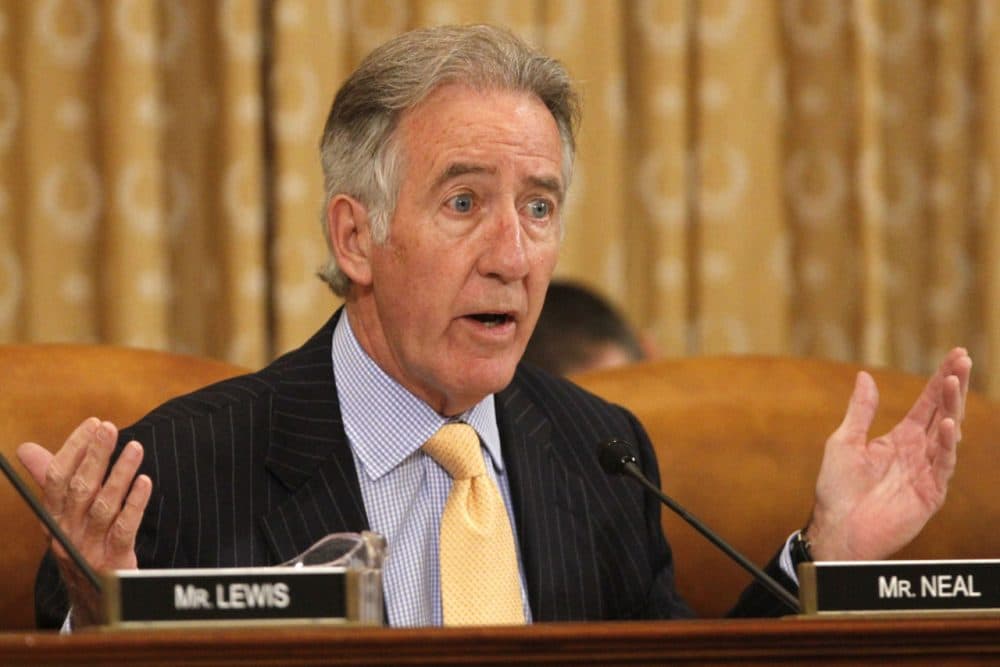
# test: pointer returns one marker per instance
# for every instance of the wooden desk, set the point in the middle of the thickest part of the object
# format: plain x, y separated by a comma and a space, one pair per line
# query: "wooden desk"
927, 641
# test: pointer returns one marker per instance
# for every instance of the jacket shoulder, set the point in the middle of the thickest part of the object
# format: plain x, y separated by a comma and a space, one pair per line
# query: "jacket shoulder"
308, 364
571, 407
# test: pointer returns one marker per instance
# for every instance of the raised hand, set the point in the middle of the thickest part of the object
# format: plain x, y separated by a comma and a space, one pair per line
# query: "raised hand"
874, 496
99, 512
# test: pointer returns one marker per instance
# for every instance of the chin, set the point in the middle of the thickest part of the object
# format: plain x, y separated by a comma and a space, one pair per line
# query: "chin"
481, 379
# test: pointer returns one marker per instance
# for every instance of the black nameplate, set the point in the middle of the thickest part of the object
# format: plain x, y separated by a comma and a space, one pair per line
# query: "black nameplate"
230, 595
900, 586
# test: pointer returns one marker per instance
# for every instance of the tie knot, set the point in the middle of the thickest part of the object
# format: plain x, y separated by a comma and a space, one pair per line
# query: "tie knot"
455, 447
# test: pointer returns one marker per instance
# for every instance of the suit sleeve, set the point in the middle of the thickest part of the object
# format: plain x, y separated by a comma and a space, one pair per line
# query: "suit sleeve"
758, 602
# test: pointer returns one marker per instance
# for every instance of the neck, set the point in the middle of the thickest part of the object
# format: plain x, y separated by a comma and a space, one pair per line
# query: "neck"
363, 322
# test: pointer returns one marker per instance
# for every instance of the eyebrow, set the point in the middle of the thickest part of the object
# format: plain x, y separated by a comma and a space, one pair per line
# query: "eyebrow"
456, 169
551, 184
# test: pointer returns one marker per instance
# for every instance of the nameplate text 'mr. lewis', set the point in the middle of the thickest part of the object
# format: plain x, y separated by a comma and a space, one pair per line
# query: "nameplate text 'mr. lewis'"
242, 595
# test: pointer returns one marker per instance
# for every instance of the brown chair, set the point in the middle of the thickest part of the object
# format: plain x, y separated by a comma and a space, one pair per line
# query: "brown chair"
45, 392
740, 439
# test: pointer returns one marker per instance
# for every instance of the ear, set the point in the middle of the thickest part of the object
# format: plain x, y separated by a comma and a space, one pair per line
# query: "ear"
350, 237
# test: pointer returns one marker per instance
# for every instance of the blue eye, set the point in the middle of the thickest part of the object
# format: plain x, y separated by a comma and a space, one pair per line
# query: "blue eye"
539, 209
462, 203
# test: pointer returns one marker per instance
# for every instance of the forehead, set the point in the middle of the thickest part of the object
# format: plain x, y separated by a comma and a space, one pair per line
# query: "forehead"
458, 124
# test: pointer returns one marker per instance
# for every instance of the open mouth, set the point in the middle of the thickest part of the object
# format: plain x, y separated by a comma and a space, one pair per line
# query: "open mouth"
492, 319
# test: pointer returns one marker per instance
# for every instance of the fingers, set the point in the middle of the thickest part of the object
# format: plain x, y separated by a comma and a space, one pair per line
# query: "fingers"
860, 410
121, 537
926, 407
951, 413
941, 396
85, 482
35, 459
945, 452
954, 389
106, 506
944, 428
962, 369
953, 398
64, 465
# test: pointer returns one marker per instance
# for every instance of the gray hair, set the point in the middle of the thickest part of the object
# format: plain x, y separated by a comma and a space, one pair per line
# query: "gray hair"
358, 150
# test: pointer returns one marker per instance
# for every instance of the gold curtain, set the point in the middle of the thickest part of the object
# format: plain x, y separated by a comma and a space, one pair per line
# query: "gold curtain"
809, 177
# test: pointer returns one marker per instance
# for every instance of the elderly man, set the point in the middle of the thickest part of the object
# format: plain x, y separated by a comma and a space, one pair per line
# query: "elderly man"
447, 156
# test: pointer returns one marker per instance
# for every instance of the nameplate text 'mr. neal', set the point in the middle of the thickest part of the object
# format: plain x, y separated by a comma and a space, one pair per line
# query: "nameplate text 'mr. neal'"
900, 586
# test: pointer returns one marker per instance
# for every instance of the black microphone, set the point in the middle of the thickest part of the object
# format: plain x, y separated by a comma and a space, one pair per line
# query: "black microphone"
616, 458
50, 523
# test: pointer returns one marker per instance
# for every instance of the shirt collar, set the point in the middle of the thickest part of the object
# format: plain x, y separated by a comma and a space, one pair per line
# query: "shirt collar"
385, 423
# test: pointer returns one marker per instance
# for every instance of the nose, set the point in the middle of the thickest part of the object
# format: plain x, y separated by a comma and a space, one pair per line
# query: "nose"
505, 255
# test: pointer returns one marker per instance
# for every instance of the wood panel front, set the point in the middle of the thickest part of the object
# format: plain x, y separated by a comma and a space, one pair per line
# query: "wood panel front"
914, 641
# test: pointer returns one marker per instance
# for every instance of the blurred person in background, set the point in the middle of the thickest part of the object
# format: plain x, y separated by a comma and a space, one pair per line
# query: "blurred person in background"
580, 331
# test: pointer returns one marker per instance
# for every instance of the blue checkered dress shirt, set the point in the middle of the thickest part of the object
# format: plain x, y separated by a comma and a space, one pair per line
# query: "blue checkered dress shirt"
403, 489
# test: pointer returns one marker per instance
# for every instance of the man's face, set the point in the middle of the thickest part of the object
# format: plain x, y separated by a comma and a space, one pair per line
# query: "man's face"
457, 288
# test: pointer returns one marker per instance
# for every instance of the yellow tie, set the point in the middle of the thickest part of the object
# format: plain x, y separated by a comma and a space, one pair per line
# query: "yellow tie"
480, 582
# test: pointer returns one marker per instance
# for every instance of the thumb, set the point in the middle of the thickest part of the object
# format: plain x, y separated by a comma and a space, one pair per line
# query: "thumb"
861, 409
36, 459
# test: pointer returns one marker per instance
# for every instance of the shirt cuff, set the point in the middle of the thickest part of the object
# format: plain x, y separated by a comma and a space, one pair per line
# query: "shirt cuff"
67, 626
785, 559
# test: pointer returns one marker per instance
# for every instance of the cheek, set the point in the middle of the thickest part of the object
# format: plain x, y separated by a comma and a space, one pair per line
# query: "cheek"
401, 265
424, 260
543, 260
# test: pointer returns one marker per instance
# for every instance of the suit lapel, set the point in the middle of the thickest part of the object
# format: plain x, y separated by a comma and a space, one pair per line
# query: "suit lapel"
550, 509
308, 453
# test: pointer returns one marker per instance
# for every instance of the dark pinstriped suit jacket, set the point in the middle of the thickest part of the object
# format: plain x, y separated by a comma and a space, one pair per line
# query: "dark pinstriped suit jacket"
253, 470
